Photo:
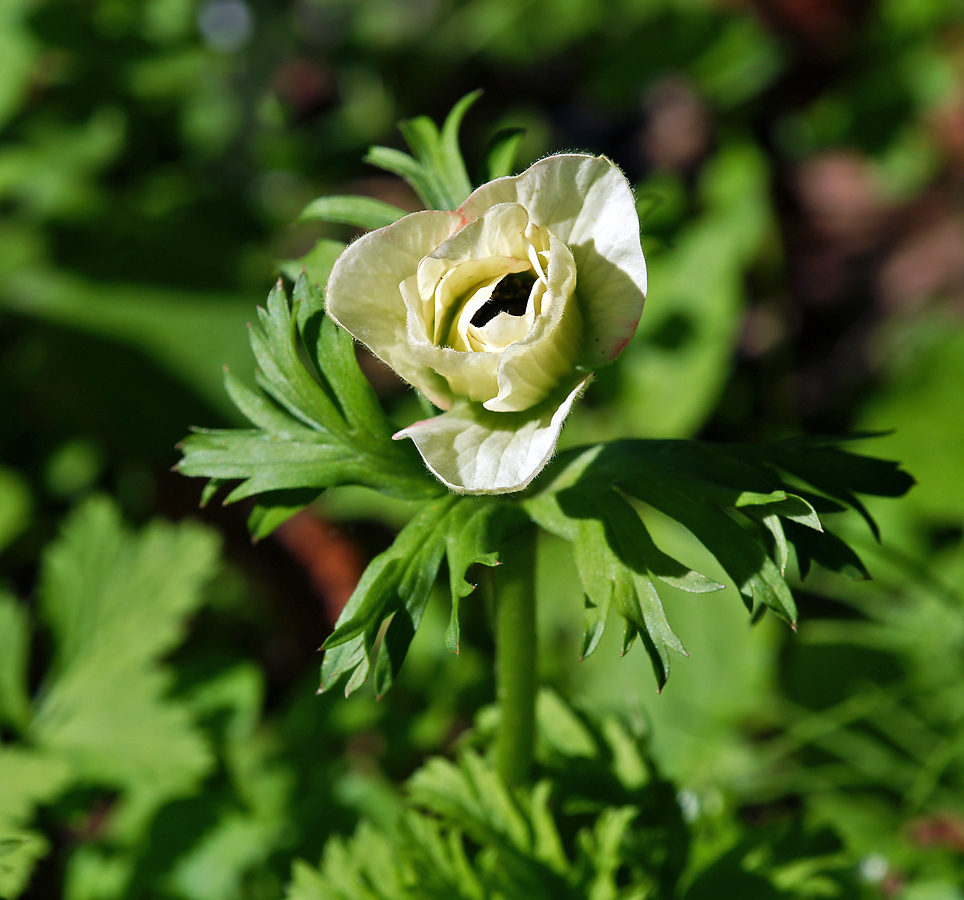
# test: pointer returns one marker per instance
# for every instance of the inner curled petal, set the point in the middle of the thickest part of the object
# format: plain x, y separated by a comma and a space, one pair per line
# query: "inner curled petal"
498, 310
510, 295
506, 316
530, 368
467, 285
499, 243
483, 292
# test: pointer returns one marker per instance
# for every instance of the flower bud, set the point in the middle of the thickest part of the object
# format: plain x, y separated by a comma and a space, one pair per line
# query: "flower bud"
500, 311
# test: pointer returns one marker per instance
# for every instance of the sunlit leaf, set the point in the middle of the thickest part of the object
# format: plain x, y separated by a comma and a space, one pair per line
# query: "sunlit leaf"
398, 582
437, 172
313, 429
718, 492
360, 212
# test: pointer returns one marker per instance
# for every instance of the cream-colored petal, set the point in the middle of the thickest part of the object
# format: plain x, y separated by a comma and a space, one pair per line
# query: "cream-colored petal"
503, 328
474, 451
500, 233
467, 373
587, 203
418, 312
501, 331
363, 294
532, 367
460, 286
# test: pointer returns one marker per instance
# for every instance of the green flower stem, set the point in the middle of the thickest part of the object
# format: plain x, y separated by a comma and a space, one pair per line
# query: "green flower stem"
515, 637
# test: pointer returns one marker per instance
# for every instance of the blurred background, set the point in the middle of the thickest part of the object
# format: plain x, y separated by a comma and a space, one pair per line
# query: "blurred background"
799, 170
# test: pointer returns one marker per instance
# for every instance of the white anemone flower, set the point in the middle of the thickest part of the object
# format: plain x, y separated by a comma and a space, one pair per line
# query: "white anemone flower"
499, 312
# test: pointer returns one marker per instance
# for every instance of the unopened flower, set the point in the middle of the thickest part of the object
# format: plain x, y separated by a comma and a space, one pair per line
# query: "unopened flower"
500, 311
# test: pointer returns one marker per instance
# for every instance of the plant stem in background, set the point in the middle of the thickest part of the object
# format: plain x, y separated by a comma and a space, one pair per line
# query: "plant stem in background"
515, 637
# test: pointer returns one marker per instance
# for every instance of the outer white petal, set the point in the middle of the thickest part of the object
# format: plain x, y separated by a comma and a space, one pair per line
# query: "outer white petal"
587, 202
363, 293
474, 451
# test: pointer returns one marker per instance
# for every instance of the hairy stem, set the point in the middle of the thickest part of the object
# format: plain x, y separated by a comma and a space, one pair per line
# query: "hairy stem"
515, 636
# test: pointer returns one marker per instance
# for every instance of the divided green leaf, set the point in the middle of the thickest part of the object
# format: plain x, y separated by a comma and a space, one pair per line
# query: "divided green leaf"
397, 584
583, 831
317, 422
748, 505
617, 560
115, 604
437, 171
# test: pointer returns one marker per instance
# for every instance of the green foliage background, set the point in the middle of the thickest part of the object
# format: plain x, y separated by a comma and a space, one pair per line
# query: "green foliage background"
798, 171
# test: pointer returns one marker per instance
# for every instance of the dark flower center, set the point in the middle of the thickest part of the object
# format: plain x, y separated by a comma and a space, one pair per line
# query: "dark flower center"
511, 295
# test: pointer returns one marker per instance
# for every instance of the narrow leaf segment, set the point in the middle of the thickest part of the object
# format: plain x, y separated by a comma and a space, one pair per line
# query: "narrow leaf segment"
437, 171
317, 422
748, 505
600, 823
360, 212
397, 585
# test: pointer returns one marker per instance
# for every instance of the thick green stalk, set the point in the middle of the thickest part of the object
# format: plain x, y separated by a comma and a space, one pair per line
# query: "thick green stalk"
515, 636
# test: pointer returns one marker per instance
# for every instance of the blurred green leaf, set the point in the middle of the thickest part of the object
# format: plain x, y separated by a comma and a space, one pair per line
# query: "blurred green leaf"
73, 467
934, 890
686, 340
255, 820
14, 656
919, 400
27, 780
53, 173
317, 262
104, 707
191, 335
18, 51
360, 212
15, 506
115, 604
742, 62
500, 153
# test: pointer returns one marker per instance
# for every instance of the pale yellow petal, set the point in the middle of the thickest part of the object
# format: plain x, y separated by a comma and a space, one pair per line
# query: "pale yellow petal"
474, 451
586, 202
364, 297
